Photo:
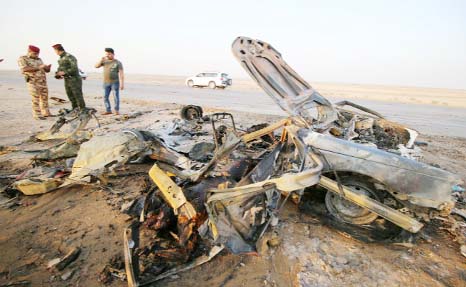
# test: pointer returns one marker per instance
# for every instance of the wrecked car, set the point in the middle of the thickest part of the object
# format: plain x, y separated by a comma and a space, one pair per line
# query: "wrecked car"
361, 142
217, 187
365, 162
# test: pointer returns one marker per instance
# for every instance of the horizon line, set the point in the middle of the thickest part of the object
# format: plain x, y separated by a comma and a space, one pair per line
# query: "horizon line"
317, 82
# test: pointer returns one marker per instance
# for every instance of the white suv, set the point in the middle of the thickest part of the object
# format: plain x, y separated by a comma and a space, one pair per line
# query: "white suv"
209, 79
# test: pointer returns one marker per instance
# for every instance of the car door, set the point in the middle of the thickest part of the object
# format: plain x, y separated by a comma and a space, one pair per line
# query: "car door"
199, 80
211, 77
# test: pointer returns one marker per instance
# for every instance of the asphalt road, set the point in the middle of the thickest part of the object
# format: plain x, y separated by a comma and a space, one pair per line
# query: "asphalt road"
429, 119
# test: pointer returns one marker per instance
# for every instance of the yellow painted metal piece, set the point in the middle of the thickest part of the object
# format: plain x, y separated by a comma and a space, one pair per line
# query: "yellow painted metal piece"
213, 229
398, 218
172, 193
32, 187
262, 132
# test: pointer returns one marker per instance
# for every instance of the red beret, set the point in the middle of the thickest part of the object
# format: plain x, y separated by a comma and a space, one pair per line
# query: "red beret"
57, 46
34, 49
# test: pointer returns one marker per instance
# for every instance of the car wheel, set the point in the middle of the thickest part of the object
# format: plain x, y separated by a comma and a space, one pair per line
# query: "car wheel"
212, 85
191, 112
191, 83
347, 211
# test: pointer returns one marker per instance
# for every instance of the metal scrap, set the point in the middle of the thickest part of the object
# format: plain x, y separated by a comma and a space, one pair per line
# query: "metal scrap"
69, 125
61, 263
39, 180
102, 154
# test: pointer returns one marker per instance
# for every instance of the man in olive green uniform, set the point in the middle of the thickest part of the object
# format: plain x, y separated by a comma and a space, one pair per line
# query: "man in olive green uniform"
68, 70
34, 71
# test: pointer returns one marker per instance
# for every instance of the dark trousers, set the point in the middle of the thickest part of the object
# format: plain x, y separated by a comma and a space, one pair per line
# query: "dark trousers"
74, 91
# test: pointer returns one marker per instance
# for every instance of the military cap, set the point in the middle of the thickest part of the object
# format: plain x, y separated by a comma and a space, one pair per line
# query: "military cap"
33, 49
57, 47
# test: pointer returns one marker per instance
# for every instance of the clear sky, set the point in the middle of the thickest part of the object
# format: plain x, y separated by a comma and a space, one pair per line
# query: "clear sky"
409, 43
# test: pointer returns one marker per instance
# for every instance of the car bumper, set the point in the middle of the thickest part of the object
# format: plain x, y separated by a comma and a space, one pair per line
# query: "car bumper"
225, 83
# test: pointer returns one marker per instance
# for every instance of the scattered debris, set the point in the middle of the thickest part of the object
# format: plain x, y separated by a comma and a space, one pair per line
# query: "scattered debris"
52, 263
17, 283
134, 115
70, 124
202, 152
69, 148
70, 257
37, 186
102, 154
6, 202
61, 263
196, 262
7, 149
67, 275
39, 180
114, 269
58, 100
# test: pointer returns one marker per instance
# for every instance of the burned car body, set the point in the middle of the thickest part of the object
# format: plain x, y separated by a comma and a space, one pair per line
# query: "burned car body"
342, 136
364, 161
407, 180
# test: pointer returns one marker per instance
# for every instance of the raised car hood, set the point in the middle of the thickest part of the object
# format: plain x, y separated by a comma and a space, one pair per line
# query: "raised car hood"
351, 141
291, 92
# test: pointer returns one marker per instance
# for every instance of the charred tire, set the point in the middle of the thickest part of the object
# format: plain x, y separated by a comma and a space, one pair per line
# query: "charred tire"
191, 112
348, 212
190, 83
212, 85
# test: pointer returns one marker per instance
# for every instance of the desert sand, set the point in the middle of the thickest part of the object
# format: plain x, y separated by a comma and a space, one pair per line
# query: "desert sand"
43, 227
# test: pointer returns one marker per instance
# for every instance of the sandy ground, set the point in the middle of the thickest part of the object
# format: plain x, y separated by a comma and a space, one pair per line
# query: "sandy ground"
311, 253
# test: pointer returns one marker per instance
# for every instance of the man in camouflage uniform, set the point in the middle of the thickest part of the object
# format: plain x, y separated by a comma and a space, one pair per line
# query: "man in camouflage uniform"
68, 70
34, 71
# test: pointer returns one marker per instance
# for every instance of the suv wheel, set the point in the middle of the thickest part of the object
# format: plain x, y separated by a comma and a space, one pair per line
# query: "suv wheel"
212, 85
190, 83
